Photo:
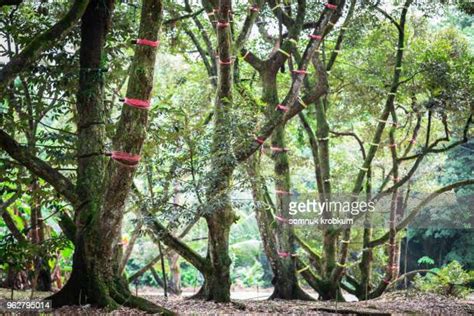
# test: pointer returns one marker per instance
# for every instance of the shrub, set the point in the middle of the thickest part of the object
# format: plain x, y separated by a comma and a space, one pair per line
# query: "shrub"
450, 280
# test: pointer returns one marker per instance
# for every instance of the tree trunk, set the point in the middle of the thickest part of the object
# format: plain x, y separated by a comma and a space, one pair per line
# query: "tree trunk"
279, 240
89, 278
220, 215
42, 271
102, 188
217, 284
175, 279
284, 281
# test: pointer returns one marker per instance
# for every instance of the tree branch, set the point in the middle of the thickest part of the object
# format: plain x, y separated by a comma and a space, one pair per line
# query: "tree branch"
7, 203
247, 27
340, 38
389, 17
406, 221
38, 167
41, 43
162, 234
247, 147
183, 17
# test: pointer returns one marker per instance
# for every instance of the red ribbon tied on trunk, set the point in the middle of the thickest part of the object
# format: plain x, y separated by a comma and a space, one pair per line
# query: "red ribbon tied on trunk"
260, 140
254, 8
300, 72
281, 107
145, 42
283, 192
222, 24
315, 37
137, 103
225, 62
125, 158
279, 149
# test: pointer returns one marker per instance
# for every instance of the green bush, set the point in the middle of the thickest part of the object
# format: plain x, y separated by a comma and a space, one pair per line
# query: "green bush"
450, 280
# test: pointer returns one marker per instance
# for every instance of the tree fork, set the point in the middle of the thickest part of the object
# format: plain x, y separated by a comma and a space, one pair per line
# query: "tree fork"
220, 215
95, 277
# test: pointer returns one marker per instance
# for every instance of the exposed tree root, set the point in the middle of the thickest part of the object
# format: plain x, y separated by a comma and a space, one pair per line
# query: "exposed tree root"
121, 294
296, 294
141, 304
200, 295
108, 297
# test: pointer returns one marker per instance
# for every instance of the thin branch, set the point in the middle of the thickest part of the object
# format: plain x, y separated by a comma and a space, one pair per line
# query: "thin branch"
38, 167
41, 43
406, 275
183, 17
357, 138
340, 38
390, 18
406, 221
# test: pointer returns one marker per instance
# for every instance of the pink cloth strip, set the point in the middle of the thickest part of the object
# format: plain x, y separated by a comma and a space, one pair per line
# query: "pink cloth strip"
137, 103
315, 37
260, 140
279, 149
254, 8
222, 25
300, 72
281, 107
283, 254
392, 145
142, 41
124, 156
413, 141
282, 192
331, 6
281, 219
225, 62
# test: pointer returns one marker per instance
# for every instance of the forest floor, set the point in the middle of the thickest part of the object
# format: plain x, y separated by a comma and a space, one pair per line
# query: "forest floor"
395, 303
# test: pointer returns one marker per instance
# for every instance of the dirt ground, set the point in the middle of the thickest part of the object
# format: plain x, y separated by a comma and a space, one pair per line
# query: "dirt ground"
395, 303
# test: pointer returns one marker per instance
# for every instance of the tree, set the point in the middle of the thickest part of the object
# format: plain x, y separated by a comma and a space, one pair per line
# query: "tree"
102, 184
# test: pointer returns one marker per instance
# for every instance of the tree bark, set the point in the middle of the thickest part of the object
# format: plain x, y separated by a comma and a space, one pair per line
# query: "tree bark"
174, 284
219, 214
284, 280
102, 187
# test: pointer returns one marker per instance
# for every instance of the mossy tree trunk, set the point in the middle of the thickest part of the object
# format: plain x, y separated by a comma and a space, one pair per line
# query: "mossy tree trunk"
219, 214
329, 290
87, 283
345, 232
281, 238
103, 184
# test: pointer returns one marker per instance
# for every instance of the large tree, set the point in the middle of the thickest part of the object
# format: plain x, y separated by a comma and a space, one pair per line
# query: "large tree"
103, 184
